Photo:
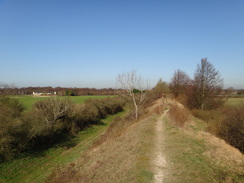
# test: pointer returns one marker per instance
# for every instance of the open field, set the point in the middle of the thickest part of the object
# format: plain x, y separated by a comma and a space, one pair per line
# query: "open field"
231, 102
29, 100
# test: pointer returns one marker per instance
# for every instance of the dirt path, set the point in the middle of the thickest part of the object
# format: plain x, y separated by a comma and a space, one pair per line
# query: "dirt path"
159, 160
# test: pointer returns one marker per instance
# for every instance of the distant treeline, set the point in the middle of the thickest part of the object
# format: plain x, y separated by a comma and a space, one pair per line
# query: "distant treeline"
62, 91
231, 91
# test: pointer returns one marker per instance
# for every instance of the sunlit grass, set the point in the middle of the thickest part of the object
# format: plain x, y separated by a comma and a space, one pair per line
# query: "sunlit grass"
188, 159
231, 102
29, 100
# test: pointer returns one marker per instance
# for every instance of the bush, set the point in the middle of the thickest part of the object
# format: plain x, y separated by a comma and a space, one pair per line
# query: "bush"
48, 122
227, 123
179, 115
182, 99
232, 127
86, 114
53, 109
11, 131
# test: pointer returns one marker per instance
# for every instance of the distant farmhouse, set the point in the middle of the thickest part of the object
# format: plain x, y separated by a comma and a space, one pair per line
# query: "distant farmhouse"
44, 93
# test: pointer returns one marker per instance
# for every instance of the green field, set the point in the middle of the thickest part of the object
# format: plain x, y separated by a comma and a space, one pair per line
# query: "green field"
231, 102
29, 100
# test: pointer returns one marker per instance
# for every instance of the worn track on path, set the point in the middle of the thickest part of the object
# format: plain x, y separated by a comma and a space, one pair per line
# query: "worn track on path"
159, 160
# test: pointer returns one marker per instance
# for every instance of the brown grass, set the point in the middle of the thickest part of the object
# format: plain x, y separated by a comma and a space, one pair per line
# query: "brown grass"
179, 115
120, 155
222, 153
226, 123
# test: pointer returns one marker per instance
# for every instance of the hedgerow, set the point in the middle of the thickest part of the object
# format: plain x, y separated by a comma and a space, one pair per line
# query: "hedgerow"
48, 121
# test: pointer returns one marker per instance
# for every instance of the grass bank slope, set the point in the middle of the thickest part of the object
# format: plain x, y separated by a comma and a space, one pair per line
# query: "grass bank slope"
197, 156
122, 155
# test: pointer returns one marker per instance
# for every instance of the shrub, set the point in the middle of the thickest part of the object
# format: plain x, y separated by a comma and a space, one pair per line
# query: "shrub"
10, 126
86, 114
53, 109
178, 115
40, 131
47, 121
93, 110
227, 123
232, 127
182, 98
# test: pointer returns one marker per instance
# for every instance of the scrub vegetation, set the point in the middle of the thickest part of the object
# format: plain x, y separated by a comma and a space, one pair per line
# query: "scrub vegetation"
48, 122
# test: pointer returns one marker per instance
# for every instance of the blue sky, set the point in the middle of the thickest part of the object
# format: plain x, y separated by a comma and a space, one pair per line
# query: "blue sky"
87, 43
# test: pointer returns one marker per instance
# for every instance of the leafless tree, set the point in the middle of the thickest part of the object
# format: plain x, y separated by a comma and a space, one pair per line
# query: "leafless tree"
207, 84
179, 83
52, 109
7, 89
135, 86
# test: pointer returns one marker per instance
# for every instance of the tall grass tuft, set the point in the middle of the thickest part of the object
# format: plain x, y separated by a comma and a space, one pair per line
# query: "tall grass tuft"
179, 115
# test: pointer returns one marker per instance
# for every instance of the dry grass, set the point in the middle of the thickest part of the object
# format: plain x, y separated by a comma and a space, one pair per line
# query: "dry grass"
122, 154
179, 115
200, 157
222, 153
226, 123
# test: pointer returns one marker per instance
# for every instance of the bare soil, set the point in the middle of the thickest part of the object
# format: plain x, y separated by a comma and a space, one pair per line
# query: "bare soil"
159, 162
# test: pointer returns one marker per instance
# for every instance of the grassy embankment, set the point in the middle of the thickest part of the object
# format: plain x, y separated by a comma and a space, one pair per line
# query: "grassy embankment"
197, 156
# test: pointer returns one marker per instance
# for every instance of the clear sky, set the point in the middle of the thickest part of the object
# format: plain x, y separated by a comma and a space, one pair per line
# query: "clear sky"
87, 43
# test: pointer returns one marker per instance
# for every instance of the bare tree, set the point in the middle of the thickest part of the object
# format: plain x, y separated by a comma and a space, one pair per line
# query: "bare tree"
179, 83
7, 89
135, 86
53, 108
206, 85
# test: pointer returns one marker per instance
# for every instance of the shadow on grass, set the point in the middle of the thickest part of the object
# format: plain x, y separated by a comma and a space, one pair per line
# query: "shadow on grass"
44, 144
